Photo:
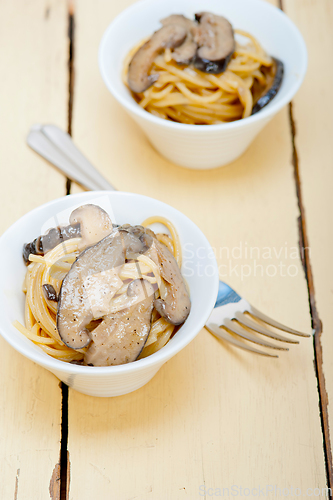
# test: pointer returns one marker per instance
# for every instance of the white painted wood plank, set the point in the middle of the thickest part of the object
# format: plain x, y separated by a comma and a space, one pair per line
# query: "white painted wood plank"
33, 87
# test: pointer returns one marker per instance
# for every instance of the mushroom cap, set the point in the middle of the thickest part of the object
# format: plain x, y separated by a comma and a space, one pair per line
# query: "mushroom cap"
274, 84
180, 19
138, 73
94, 222
185, 52
215, 38
175, 306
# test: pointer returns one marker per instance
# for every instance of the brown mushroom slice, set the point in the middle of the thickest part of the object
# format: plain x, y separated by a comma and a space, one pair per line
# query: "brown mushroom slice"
81, 298
215, 38
132, 241
74, 307
185, 52
146, 237
94, 222
51, 239
100, 289
138, 73
50, 293
121, 336
90, 222
274, 77
175, 306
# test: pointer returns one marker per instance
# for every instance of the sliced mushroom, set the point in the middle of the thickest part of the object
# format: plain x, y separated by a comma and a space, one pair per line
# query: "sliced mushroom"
176, 305
50, 293
138, 74
133, 241
51, 239
81, 298
120, 337
186, 51
145, 235
100, 288
215, 38
94, 223
274, 76
90, 222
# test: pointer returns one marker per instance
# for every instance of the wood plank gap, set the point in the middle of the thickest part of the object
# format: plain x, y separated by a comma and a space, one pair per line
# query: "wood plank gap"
64, 459
71, 31
64, 454
16, 484
68, 186
315, 319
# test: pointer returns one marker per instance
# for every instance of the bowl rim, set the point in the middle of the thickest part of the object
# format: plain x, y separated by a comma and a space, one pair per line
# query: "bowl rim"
156, 359
263, 114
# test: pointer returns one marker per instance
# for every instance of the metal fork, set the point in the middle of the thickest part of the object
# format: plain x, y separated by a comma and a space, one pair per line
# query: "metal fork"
233, 319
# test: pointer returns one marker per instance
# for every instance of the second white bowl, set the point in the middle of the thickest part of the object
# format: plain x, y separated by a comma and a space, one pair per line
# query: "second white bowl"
203, 146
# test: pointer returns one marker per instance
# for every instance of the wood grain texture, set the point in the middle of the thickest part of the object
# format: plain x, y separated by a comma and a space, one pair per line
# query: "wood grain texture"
312, 112
33, 87
213, 416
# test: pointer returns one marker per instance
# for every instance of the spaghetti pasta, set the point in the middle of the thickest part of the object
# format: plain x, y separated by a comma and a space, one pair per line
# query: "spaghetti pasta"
185, 94
50, 269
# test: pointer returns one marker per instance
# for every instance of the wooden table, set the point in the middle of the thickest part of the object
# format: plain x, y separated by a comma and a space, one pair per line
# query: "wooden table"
214, 417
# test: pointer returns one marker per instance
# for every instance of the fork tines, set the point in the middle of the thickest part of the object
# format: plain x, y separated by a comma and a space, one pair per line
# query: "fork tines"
244, 324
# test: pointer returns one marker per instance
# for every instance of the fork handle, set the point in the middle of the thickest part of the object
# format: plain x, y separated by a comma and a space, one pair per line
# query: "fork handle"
226, 295
58, 148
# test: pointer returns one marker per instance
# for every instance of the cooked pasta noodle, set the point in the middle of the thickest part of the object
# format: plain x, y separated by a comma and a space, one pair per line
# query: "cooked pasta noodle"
187, 95
40, 313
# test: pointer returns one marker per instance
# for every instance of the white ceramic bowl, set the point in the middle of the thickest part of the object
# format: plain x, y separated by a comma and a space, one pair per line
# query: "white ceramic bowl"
123, 208
203, 146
